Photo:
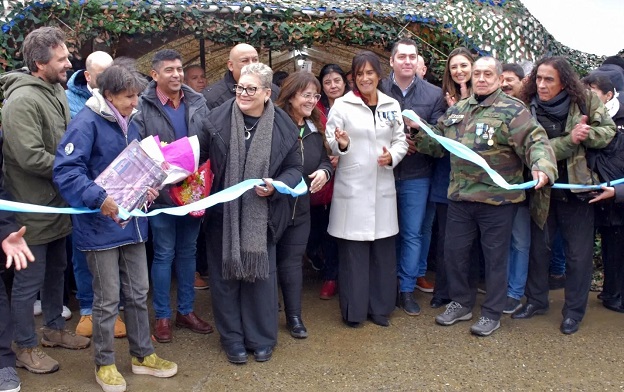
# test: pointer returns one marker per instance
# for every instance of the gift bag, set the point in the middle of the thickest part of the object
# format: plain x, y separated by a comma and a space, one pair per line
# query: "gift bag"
194, 188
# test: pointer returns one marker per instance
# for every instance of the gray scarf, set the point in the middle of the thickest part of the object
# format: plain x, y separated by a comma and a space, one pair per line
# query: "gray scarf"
245, 254
557, 107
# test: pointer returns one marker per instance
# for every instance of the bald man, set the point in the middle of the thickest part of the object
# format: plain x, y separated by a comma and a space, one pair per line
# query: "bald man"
421, 68
82, 83
223, 90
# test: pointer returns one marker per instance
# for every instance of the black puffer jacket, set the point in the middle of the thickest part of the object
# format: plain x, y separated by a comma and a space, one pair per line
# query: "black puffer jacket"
223, 90
608, 212
428, 102
152, 120
284, 165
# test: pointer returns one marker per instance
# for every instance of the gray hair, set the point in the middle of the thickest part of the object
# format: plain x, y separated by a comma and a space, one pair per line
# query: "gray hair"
118, 78
262, 71
38, 45
498, 66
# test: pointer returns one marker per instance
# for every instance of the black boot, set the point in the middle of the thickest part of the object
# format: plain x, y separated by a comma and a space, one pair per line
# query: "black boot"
296, 328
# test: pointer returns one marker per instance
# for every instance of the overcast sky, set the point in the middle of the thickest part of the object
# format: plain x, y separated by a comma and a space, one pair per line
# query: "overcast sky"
592, 26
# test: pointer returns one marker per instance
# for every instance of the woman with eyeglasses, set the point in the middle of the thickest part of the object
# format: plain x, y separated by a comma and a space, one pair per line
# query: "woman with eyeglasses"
298, 97
248, 138
365, 129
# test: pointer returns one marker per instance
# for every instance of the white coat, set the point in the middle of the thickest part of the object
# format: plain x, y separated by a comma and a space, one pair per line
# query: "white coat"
364, 205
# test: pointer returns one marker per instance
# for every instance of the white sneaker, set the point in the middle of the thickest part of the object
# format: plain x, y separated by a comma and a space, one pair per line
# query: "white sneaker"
37, 308
67, 314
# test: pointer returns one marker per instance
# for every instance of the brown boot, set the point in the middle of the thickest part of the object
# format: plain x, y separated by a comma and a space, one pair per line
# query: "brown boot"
35, 360
162, 331
85, 326
120, 328
63, 338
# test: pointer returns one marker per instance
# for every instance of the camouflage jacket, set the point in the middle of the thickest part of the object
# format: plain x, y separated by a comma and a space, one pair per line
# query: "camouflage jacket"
602, 131
504, 133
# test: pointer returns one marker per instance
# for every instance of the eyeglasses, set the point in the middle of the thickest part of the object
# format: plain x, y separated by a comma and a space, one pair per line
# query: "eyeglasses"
311, 97
251, 91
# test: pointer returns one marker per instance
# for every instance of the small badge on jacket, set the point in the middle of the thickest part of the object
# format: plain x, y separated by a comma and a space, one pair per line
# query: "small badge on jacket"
69, 148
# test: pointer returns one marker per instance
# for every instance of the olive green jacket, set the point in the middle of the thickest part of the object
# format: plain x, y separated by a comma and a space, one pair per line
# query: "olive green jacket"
602, 131
35, 115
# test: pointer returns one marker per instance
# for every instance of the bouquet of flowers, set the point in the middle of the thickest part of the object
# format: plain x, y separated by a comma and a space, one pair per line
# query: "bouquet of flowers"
180, 159
194, 188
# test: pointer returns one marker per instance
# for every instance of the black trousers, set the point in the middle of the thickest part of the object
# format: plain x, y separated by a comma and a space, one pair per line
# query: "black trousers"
244, 312
320, 241
367, 276
575, 220
7, 357
290, 250
612, 261
441, 281
464, 222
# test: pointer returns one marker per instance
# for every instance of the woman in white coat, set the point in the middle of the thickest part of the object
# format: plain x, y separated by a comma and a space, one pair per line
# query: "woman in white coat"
365, 129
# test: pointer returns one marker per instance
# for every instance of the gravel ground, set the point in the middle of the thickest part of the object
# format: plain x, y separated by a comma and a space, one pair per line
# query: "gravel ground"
413, 354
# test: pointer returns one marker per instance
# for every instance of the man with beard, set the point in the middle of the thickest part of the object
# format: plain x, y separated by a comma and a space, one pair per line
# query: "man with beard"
34, 117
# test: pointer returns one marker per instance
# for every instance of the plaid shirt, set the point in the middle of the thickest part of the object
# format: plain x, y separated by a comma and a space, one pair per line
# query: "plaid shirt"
165, 100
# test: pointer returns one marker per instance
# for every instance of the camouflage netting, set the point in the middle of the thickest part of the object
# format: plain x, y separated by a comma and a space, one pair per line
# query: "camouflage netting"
502, 28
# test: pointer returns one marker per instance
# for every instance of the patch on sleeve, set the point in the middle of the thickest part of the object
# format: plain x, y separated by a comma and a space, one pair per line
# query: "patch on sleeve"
69, 148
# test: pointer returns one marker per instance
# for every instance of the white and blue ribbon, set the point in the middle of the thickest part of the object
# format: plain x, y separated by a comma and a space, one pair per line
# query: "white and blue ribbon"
463, 152
225, 195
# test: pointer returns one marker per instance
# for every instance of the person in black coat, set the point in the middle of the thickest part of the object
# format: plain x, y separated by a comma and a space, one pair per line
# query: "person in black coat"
223, 90
298, 97
248, 138
609, 216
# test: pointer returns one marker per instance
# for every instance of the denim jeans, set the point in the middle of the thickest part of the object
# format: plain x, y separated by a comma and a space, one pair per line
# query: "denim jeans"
127, 263
7, 357
84, 281
558, 259
46, 274
519, 253
426, 230
175, 237
412, 205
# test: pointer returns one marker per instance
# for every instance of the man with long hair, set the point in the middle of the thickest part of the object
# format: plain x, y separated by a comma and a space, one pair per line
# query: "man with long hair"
574, 120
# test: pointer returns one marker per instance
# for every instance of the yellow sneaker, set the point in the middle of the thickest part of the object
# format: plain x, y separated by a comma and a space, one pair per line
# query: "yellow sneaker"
120, 328
85, 326
154, 366
110, 379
